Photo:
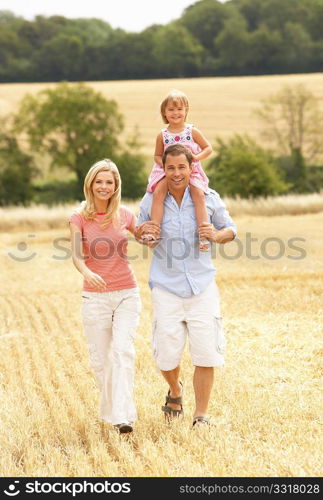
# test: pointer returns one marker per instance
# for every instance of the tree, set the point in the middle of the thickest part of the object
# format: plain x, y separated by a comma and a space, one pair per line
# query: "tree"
211, 37
16, 173
131, 165
274, 14
178, 53
74, 124
204, 20
232, 46
9, 47
264, 50
14, 63
314, 20
60, 58
296, 171
251, 11
298, 46
129, 55
242, 168
292, 126
93, 31
292, 122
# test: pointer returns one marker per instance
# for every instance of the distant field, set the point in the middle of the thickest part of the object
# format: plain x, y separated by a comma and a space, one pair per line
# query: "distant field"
219, 106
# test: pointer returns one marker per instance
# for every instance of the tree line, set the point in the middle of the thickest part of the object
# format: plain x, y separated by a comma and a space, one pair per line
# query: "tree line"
211, 38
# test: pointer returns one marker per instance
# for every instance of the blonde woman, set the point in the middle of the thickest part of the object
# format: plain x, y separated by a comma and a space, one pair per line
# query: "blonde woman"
110, 298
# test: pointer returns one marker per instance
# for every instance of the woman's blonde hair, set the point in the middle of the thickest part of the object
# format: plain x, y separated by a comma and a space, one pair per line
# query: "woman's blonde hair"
88, 209
174, 97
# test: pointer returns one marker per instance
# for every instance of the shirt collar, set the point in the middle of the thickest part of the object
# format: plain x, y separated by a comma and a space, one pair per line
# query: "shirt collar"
186, 192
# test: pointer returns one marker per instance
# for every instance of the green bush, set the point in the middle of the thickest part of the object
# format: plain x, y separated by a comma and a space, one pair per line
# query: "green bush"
303, 178
16, 173
314, 178
56, 191
133, 183
242, 168
132, 171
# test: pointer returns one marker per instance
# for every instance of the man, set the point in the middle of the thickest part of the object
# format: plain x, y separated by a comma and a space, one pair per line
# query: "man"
184, 294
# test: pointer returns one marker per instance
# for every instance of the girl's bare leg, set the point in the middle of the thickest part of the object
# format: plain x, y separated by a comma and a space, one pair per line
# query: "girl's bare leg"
200, 213
157, 207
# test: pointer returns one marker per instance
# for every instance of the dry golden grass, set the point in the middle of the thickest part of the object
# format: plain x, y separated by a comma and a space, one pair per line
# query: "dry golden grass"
219, 106
265, 406
42, 217
290, 204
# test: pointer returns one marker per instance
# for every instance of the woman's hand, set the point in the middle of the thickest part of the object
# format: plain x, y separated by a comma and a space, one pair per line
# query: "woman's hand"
94, 280
148, 227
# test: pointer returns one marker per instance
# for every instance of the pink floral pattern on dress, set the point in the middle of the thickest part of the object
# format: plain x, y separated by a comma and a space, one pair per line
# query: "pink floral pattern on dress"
198, 177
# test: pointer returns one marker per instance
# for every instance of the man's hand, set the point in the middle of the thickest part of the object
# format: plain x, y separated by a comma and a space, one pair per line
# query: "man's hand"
209, 232
148, 228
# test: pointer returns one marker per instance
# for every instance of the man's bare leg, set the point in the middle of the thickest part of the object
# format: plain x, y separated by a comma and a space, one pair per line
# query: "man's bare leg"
202, 382
172, 378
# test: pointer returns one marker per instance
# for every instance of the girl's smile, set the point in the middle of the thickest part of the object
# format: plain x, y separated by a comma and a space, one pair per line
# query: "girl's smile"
175, 115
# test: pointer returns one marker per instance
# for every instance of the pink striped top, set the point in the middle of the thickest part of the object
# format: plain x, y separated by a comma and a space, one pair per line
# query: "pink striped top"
105, 250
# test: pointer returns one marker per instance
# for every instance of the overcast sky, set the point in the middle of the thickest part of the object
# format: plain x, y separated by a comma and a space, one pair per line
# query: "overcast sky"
131, 15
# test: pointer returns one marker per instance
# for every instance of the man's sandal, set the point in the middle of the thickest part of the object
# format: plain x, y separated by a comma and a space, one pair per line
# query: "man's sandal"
170, 412
200, 421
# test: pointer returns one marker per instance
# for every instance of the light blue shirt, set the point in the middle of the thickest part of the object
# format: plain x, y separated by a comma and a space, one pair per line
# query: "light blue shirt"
178, 266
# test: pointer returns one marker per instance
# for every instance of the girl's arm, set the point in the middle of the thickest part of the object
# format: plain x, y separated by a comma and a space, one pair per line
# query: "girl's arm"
203, 143
159, 149
78, 259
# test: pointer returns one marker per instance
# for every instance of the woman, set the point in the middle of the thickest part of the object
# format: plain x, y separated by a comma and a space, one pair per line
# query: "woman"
110, 299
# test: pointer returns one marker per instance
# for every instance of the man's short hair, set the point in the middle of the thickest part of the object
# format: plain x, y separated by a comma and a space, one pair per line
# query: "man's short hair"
176, 150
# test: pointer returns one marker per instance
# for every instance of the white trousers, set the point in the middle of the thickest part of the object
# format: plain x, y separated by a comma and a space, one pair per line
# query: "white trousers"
110, 320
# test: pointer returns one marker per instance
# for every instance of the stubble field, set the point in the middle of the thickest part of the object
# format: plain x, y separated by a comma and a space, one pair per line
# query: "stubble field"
265, 407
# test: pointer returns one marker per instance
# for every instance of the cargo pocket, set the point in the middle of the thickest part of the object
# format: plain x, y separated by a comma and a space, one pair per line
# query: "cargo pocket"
220, 340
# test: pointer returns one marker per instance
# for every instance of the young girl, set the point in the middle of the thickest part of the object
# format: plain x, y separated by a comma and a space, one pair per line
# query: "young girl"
110, 298
174, 109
